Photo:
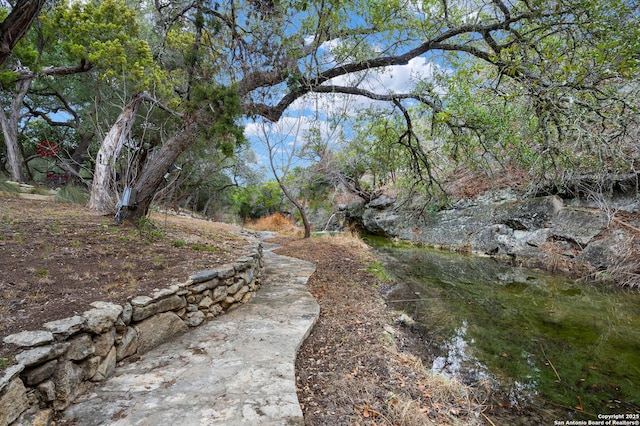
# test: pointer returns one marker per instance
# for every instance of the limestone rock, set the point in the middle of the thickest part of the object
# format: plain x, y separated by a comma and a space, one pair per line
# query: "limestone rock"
608, 251
40, 373
35, 417
89, 367
204, 286
102, 317
127, 311
67, 379
104, 342
141, 301
13, 401
203, 276
205, 303
579, 226
233, 289
106, 367
9, 374
80, 347
529, 214
41, 354
226, 271
164, 305
158, 329
220, 293
47, 390
67, 326
165, 292
194, 319
128, 345
30, 338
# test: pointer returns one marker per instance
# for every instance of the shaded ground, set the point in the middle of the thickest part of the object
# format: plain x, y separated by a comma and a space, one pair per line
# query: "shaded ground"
58, 258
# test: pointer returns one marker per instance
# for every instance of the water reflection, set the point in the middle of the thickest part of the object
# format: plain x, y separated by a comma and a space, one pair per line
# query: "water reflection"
567, 343
457, 361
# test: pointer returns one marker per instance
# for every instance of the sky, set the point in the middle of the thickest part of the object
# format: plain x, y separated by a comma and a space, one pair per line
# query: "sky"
311, 111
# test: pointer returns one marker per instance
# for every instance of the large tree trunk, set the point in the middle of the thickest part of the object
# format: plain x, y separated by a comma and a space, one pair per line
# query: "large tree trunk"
16, 25
152, 175
101, 192
10, 121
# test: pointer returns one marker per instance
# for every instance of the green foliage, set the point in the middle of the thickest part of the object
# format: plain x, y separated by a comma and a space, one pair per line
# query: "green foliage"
377, 269
107, 35
8, 79
218, 108
148, 230
255, 201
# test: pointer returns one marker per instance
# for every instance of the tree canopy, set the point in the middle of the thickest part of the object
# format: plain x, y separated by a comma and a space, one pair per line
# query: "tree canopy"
547, 87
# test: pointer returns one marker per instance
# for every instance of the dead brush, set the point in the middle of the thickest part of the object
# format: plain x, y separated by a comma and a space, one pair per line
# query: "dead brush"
275, 223
440, 400
350, 238
623, 269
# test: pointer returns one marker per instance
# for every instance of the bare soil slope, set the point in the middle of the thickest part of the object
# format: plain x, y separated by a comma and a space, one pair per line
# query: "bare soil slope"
55, 259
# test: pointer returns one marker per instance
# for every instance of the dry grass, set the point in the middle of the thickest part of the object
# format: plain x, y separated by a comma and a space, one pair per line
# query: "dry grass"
440, 400
276, 223
465, 183
347, 238
623, 269
355, 368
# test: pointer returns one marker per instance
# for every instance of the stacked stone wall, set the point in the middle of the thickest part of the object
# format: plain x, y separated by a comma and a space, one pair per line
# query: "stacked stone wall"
57, 364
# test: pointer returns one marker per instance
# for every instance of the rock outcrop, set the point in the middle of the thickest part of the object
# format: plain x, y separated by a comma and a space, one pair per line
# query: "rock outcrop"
501, 223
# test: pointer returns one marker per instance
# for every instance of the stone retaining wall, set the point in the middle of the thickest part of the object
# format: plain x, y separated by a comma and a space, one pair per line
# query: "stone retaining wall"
57, 364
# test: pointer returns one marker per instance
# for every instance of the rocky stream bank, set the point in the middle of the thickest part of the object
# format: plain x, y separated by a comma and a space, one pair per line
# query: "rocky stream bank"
572, 236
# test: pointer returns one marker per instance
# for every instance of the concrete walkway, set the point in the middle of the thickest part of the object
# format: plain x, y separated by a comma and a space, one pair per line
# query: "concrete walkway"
238, 369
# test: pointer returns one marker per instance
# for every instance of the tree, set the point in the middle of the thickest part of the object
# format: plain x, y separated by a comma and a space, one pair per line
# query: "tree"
540, 53
545, 56
71, 39
569, 65
283, 147
16, 25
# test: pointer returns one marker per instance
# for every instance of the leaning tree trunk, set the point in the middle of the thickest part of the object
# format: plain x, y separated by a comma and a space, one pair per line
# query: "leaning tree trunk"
298, 205
10, 121
101, 192
151, 178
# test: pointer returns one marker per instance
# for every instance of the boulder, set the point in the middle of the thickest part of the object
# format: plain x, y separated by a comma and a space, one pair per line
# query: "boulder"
496, 223
579, 225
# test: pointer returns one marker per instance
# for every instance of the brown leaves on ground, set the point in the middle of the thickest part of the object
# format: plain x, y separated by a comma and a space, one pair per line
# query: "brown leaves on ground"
350, 370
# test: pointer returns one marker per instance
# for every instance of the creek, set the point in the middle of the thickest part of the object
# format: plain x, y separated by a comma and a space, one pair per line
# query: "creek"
563, 348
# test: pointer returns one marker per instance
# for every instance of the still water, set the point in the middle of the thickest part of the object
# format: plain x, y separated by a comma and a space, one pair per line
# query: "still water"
543, 340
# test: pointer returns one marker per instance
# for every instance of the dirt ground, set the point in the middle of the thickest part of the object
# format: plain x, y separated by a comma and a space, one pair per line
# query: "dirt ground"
55, 259
358, 366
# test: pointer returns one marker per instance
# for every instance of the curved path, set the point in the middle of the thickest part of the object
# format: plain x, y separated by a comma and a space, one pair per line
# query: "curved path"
237, 369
